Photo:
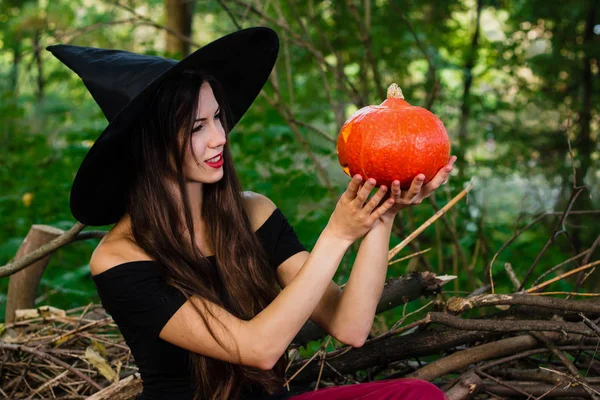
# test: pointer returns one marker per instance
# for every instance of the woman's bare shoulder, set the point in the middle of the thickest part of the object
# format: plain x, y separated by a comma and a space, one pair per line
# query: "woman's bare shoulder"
258, 207
114, 249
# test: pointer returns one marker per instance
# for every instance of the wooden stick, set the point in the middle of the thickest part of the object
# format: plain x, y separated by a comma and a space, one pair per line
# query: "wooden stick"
392, 253
568, 293
539, 278
561, 276
464, 358
124, 389
409, 256
502, 327
577, 376
458, 305
323, 355
469, 384
42, 251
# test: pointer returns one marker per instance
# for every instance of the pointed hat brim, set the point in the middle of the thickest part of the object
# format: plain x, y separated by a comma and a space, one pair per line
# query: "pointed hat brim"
240, 61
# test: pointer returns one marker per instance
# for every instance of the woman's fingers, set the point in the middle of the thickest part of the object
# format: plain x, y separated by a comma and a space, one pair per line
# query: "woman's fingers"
364, 192
375, 200
353, 187
382, 209
440, 178
396, 193
414, 189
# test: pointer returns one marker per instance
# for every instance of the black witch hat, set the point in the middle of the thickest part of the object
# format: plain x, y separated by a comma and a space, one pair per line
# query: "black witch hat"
122, 83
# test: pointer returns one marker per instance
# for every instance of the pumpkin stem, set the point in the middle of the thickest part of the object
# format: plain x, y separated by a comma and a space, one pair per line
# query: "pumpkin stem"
394, 92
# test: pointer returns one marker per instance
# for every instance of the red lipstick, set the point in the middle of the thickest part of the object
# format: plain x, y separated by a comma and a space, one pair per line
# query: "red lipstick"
216, 164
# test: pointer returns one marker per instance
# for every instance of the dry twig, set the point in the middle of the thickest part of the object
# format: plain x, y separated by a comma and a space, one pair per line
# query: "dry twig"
392, 253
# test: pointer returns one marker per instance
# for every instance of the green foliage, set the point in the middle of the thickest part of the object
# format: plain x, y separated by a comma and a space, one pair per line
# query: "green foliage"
527, 77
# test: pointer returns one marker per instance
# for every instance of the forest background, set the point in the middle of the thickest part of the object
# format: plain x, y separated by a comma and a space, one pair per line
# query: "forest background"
514, 81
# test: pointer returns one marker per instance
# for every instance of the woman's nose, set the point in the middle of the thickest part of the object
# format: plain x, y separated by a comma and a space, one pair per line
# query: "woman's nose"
217, 135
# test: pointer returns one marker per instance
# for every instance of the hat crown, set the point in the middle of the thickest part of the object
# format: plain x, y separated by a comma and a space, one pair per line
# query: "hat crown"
113, 77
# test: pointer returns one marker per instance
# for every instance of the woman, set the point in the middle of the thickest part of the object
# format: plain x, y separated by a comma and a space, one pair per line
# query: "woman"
191, 269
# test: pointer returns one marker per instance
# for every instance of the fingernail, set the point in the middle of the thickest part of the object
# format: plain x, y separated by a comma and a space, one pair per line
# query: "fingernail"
372, 181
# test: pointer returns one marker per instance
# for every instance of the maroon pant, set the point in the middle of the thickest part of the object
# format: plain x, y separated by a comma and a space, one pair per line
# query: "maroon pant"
390, 389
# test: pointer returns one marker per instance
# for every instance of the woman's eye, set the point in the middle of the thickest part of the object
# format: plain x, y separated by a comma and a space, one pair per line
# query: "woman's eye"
199, 127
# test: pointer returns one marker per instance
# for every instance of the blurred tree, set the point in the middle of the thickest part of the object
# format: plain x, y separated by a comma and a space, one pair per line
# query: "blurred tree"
179, 24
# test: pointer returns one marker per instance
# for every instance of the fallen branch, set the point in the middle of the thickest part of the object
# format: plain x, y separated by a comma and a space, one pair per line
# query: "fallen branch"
528, 353
557, 266
577, 376
462, 359
502, 327
561, 276
42, 251
536, 375
505, 384
125, 389
536, 389
458, 305
469, 384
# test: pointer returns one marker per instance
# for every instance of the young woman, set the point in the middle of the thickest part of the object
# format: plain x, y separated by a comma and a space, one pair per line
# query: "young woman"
209, 284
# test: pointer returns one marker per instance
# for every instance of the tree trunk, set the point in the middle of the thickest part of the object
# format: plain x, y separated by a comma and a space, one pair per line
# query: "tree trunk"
466, 106
37, 50
179, 20
38, 62
14, 81
584, 144
22, 286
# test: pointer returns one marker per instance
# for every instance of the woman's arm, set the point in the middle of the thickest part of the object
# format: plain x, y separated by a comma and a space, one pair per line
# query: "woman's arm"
261, 341
353, 317
347, 323
348, 315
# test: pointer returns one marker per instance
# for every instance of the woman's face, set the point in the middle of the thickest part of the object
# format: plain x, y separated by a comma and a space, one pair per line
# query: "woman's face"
207, 141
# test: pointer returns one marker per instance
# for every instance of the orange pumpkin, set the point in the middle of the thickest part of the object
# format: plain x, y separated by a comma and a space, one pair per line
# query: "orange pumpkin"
392, 141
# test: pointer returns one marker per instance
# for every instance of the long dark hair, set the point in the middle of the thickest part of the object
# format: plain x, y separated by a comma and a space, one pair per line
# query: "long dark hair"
242, 281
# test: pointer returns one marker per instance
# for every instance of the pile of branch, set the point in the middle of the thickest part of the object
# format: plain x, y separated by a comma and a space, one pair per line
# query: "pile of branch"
540, 346
52, 353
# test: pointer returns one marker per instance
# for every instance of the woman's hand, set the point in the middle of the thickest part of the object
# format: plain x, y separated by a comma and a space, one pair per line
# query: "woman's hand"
354, 215
417, 191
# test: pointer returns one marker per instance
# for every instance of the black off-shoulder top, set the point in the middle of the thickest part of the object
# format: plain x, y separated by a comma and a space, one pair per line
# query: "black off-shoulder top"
141, 303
